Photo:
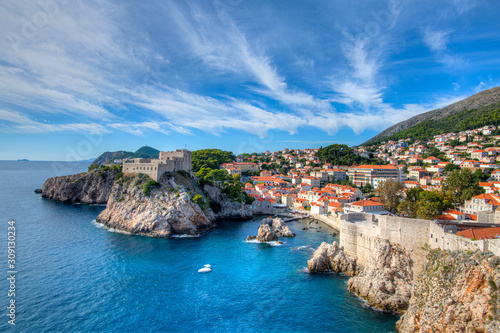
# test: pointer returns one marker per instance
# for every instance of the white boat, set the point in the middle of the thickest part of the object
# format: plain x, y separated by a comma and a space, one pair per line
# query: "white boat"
206, 269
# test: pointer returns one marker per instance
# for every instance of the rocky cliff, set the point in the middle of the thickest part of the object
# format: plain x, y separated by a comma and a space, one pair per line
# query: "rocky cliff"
385, 281
331, 257
457, 292
141, 206
88, 188
174, 205
228, 209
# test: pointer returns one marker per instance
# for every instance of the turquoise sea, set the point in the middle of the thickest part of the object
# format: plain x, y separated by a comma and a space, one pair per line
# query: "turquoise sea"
75, 276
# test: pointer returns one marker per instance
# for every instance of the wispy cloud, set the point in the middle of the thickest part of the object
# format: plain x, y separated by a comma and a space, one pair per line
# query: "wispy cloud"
436, 40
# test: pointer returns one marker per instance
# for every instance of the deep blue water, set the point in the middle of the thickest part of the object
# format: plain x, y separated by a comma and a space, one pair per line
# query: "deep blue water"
74, 276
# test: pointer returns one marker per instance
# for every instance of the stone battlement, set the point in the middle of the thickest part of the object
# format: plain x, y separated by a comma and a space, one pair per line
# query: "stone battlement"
168, 161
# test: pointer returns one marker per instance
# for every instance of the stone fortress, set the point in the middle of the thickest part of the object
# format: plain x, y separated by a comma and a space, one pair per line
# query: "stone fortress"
168, 161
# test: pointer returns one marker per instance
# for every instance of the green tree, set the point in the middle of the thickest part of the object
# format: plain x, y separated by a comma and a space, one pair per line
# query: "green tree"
462, 185
390, 193
409, 205
450, 167
431, 204
210, 158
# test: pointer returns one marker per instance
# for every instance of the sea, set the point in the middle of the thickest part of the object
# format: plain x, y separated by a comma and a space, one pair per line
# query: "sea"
74, 275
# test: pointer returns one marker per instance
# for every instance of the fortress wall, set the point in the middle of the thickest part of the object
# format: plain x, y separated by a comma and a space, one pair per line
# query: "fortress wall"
453, 242
333, 222
493, 245
358, 237
349, 237
145, 168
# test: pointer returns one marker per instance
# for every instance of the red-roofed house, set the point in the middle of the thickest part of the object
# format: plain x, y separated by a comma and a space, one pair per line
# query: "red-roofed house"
335, 207
481, 203
478, 154
317, 208
367, 206
431, 160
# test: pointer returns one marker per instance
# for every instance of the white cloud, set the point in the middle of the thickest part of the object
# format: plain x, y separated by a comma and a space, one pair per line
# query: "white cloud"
436, 40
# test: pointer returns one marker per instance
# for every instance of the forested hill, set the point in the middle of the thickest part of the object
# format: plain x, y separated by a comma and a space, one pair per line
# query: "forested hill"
143, 152
339, 155
473, 112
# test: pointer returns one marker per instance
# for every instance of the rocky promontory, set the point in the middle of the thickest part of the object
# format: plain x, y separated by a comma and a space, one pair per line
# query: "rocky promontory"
386, 279
457, 292
88, 188
331, 258
140, 205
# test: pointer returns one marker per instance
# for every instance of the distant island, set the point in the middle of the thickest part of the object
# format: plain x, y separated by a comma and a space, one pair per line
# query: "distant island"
23, 160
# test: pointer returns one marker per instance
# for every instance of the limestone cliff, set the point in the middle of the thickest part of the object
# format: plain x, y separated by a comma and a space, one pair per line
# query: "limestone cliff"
229, 209
160, 210
331, 257
87, 188
457, 292
385, 281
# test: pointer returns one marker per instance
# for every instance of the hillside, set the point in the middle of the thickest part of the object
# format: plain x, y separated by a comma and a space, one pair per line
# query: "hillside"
143, 152
475, 111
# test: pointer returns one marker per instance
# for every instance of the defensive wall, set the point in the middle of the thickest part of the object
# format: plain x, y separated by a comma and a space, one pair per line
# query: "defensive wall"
360, 233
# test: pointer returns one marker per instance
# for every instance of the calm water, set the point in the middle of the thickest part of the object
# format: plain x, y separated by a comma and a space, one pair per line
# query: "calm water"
76, 277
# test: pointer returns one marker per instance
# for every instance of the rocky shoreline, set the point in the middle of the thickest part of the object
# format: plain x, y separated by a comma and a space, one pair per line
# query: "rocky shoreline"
457, 292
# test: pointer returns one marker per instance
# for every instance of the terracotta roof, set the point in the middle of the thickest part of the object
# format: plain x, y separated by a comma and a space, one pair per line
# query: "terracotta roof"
454, 211
445, 217
481, 233
392, 167
366, 203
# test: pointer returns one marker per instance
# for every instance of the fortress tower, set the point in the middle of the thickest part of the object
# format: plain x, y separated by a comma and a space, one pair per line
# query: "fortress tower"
168, 161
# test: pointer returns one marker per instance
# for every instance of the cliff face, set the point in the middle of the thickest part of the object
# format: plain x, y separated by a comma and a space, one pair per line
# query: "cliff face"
87, 188
386, 280
228, 209
457, 292
168, 209
331, 257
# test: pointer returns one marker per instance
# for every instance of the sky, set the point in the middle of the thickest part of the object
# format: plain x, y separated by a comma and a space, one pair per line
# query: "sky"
78, 78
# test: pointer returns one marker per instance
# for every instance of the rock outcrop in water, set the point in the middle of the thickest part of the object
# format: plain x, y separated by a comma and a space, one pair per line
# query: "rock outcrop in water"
88, 188
159, 210
457, 292
270, 229
266, 233
386, 279
331, 257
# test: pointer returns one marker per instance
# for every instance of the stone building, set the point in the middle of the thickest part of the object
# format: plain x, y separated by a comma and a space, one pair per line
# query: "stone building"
168, 161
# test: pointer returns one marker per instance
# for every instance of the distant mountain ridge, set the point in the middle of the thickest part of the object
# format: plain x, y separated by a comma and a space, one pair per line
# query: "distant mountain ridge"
143, 152
476, 110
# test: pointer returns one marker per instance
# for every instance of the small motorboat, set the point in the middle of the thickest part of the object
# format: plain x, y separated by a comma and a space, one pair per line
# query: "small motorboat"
206, 269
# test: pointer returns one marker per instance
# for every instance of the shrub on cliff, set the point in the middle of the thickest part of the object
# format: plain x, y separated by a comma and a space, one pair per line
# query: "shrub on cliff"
198, 199
146, 187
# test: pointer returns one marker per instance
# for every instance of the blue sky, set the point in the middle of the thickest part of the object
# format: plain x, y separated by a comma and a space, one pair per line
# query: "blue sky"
82, 77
